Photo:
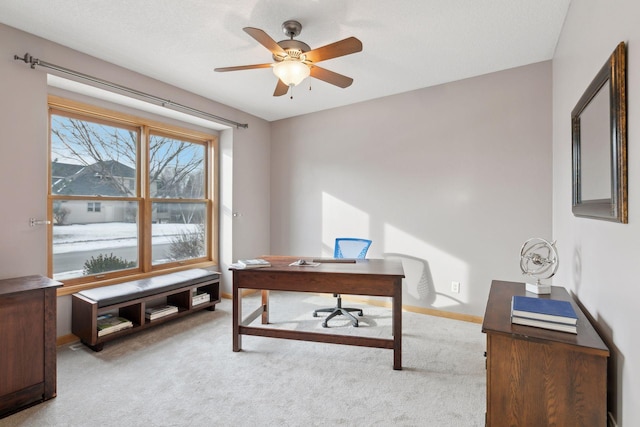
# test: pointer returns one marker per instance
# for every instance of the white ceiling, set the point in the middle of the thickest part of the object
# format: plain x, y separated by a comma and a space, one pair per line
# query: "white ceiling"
407, 44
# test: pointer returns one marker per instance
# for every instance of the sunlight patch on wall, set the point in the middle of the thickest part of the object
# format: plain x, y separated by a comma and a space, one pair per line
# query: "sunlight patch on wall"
429, 271
340, 219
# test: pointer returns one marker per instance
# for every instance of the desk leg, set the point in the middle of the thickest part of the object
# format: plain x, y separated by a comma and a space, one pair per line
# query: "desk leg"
397, 325
237, 315
265, 307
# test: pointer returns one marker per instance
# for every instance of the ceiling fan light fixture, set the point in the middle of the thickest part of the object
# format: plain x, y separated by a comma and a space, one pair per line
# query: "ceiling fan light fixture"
291, 72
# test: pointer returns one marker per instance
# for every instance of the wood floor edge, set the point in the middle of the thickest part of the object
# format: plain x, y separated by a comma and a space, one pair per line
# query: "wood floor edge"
421, 310
441, 313
413, 309
244, 292
66, 339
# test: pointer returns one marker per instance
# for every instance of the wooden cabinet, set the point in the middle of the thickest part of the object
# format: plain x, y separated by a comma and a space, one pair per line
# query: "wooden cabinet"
540, 377
27, 342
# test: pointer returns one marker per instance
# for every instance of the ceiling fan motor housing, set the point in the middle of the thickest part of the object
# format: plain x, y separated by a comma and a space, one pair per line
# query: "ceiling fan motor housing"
294, 49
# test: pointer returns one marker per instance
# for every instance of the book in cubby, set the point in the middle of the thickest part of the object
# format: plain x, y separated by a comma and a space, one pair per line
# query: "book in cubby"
109, 323
153, 313
199, 297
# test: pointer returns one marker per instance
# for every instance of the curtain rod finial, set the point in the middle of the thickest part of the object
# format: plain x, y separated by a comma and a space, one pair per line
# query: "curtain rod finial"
28, 59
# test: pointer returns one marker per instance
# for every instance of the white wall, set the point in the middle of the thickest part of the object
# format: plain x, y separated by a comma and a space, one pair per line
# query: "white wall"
598, 258
24, 147
451, 179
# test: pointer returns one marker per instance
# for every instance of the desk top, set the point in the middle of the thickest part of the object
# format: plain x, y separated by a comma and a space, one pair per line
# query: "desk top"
497, 319
379, 267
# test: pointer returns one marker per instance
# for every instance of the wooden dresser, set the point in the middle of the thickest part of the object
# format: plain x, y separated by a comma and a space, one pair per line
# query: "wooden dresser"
540, 377
27, 342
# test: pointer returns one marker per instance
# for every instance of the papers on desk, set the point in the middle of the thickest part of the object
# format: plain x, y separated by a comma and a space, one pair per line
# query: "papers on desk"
304, 263
244, 264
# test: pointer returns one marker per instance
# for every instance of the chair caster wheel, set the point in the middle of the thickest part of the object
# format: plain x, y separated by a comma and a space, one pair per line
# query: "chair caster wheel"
315, 314
324, 325
360, 314
355, 325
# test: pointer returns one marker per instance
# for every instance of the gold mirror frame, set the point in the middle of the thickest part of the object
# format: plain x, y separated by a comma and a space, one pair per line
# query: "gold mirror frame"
613, 207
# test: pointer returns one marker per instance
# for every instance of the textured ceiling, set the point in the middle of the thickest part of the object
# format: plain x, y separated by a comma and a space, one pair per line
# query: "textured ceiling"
407, 44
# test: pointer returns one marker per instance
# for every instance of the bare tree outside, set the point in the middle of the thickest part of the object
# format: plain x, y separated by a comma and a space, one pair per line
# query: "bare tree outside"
60, 213
94, 145
94, 172
175, 167
177, 170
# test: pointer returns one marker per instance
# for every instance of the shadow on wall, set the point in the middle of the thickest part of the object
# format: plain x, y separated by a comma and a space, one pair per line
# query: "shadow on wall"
615, 364
577, 268
420, 289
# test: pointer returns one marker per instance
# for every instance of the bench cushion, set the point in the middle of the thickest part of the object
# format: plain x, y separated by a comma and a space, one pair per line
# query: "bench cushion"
123, 292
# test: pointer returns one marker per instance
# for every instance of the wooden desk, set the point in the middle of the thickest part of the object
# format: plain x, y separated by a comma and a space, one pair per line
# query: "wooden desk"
540, 377
374, 277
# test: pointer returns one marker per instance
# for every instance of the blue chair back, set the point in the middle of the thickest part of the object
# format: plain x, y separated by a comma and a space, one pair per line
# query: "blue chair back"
350, 247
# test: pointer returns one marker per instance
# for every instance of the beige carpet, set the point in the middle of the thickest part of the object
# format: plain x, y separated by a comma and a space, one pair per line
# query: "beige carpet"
184, 373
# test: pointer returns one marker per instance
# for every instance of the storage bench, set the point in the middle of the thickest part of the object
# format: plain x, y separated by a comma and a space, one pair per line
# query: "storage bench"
131, 300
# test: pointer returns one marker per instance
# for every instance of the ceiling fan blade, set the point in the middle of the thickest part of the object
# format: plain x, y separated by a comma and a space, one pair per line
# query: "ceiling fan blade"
340, 48
281, 89
331, 77
265, 40
243, 67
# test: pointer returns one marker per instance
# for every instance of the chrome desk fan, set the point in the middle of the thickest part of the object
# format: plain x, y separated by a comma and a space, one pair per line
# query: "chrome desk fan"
538, 259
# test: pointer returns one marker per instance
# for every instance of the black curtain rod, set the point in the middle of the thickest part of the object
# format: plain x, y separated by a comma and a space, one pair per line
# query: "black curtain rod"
28, 59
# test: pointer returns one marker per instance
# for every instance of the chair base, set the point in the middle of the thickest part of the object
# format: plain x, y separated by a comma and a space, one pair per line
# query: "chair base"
339, 311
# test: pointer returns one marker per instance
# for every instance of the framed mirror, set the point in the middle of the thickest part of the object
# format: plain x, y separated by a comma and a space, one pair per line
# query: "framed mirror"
599, 134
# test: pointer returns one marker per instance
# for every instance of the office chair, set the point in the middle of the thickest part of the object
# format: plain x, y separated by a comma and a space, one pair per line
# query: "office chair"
345, 247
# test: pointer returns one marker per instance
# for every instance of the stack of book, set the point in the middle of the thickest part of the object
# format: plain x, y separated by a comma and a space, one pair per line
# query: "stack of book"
109, 323
544, 313
153, 313
250, 263
198, 298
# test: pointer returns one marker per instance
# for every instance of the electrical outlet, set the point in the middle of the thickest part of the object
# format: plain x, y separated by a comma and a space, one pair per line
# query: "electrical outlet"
455, 287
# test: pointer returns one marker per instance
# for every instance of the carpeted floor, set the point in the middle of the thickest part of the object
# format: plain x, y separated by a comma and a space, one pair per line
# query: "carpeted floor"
184, 373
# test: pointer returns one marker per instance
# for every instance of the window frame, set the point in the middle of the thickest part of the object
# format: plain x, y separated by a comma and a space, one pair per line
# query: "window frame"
145, 127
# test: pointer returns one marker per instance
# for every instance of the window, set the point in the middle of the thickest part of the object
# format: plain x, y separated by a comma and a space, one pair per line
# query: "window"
127, 196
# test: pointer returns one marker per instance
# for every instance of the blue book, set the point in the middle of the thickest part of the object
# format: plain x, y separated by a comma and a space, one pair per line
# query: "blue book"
563, 327
543, 309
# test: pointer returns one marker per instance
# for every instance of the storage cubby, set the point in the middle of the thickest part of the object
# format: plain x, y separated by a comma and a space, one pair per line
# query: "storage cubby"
130, 300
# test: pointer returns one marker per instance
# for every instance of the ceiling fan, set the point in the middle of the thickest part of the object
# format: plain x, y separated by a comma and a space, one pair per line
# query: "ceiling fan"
295, 60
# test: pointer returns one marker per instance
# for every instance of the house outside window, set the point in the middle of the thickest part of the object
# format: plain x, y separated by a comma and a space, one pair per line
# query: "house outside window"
155, 192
